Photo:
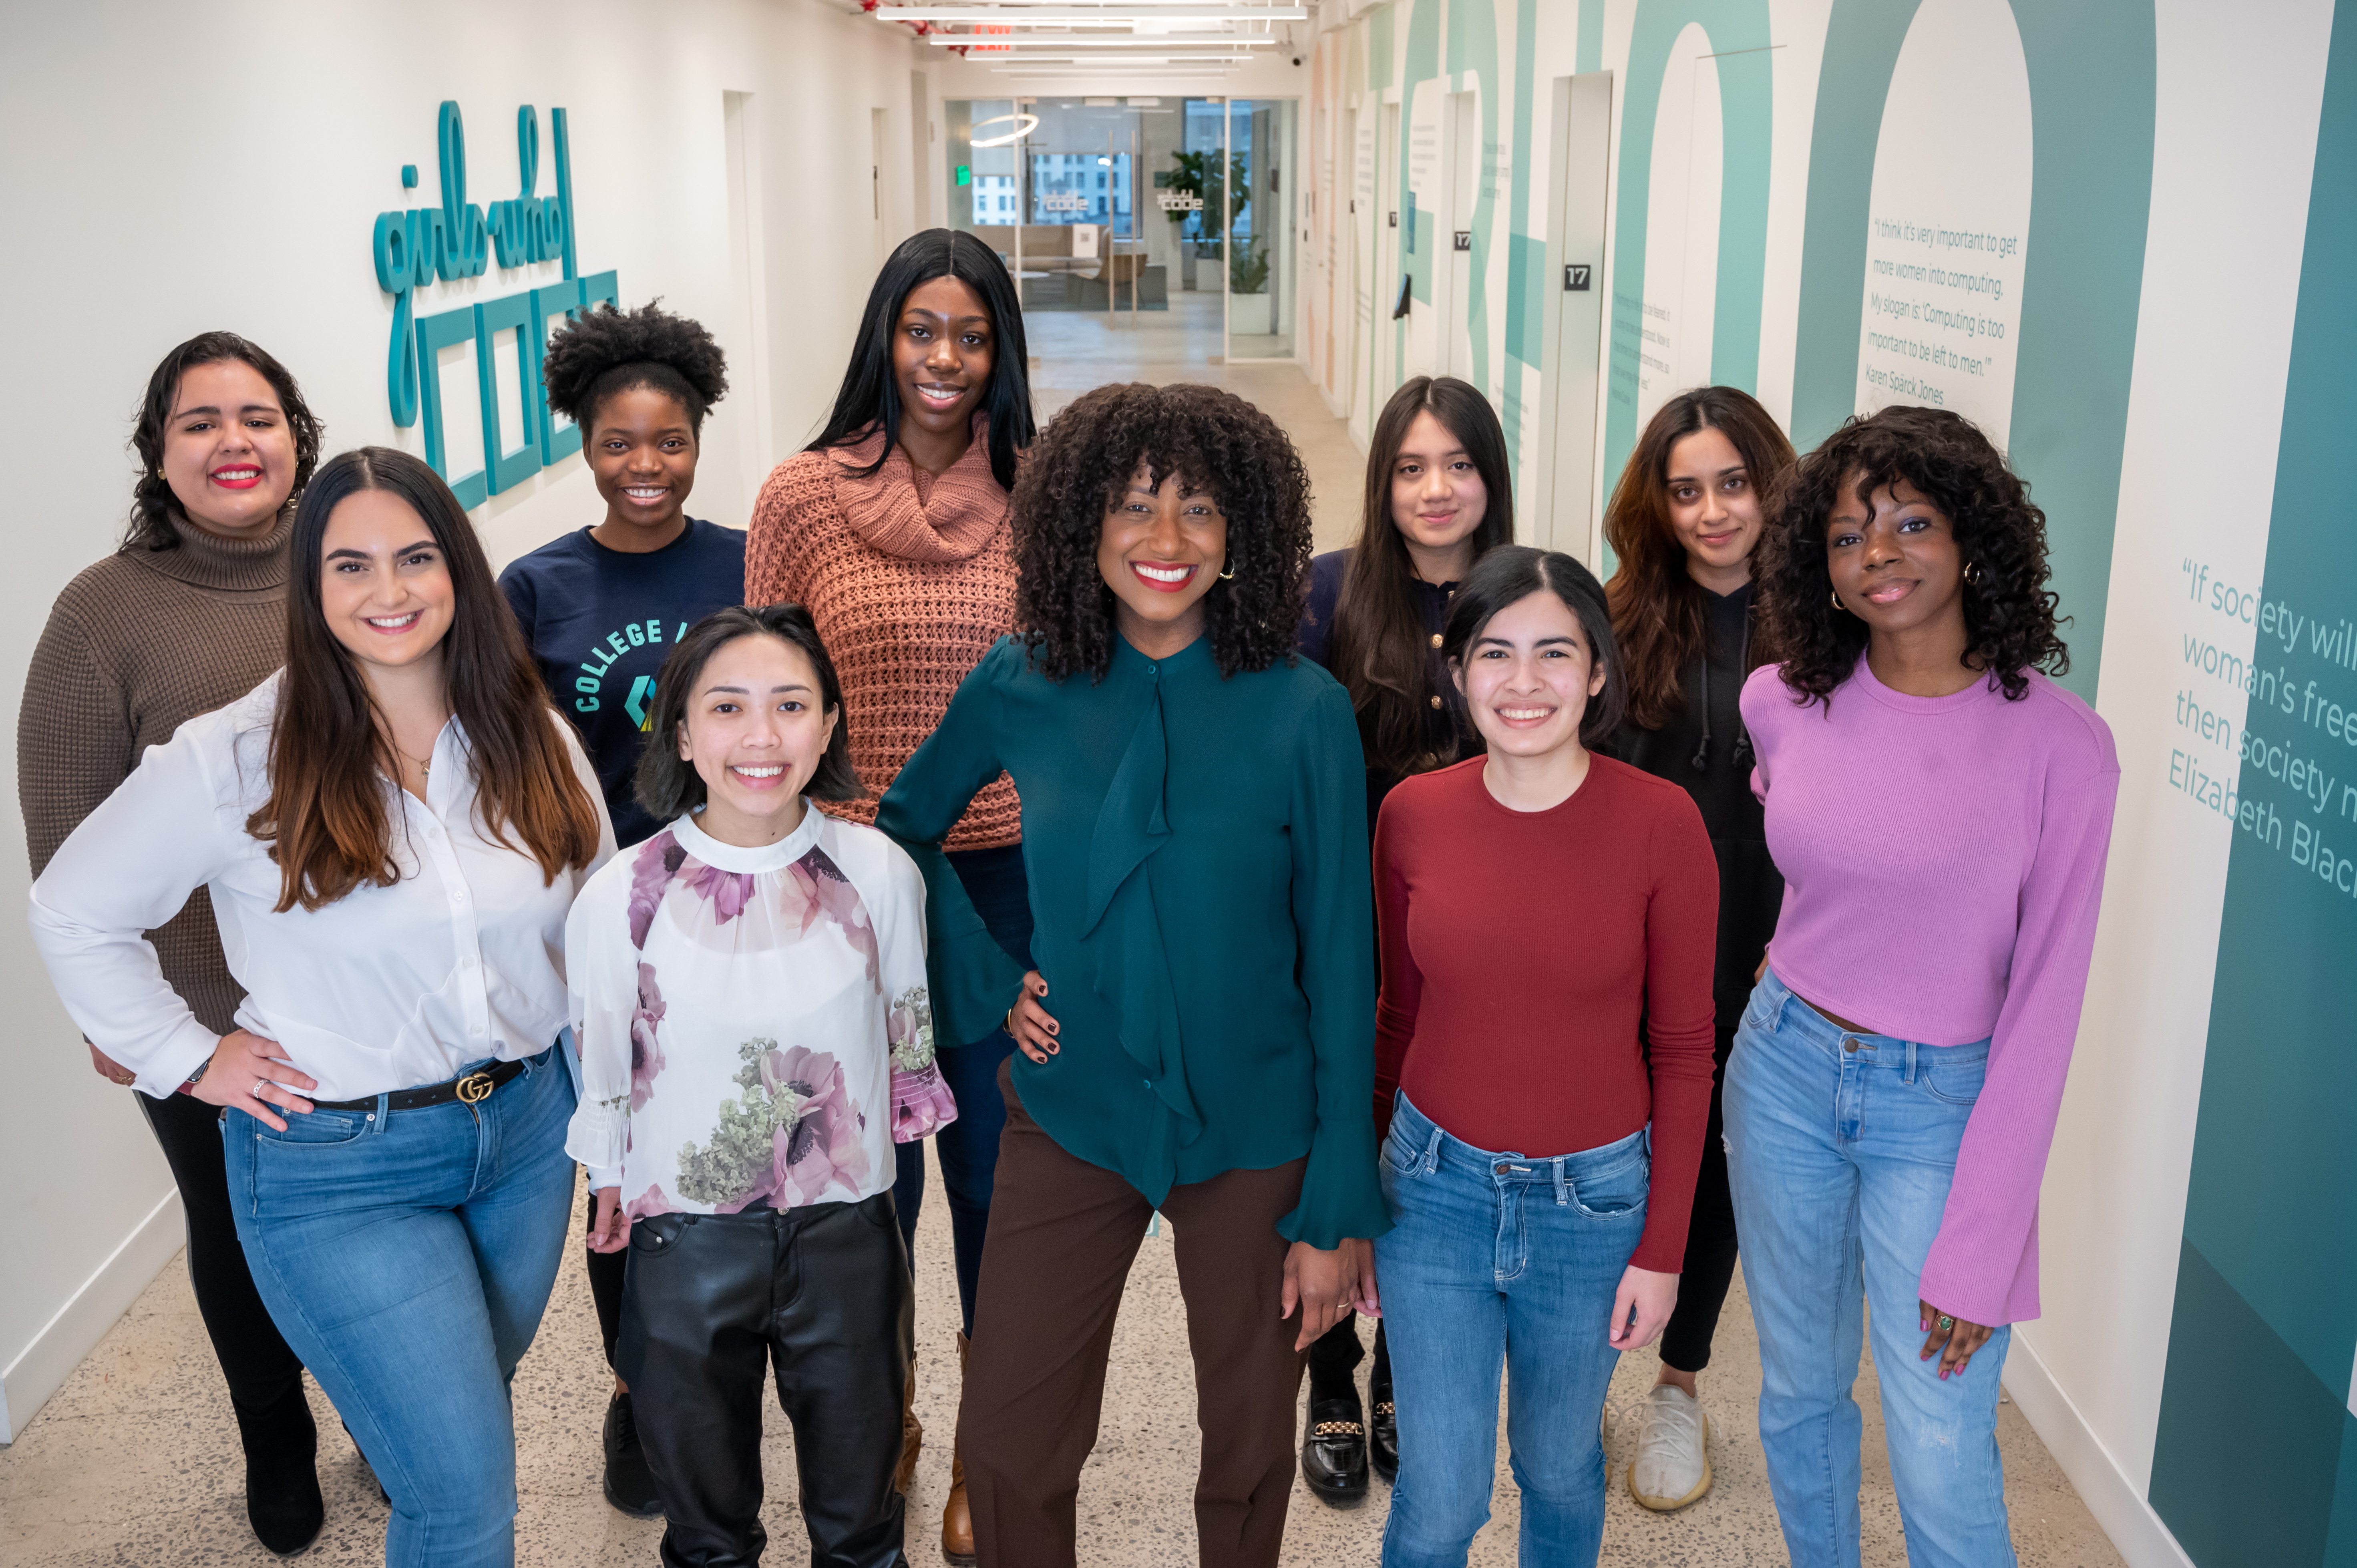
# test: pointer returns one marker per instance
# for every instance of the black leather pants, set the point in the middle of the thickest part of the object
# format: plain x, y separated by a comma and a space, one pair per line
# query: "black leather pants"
823, 1292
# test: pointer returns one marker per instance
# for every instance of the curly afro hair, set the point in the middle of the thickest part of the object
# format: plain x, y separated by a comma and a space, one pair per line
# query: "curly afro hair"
2011, 627
1209, 439
607, 351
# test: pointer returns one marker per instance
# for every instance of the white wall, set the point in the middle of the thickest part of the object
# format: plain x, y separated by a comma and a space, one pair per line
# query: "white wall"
176, 169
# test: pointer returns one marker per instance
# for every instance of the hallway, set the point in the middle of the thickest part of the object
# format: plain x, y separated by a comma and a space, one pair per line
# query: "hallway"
1074, 350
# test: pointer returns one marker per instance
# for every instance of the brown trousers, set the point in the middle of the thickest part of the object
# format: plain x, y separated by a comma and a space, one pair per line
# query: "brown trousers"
1062, 1235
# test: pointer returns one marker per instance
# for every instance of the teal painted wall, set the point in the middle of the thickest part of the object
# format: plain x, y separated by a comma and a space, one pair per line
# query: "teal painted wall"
2256, 1454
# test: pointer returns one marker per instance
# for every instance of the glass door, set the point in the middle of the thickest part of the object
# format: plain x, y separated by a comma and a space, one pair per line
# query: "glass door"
1259, 228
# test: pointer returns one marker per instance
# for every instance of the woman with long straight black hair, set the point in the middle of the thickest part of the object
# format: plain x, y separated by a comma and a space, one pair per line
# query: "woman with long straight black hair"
1439, 497
392, 828
894, 527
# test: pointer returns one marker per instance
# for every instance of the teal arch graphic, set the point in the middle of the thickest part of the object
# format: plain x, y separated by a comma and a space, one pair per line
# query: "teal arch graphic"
1473, 47
2254, 1460
2091, 103
1526, 254
1735, 29
1421, 63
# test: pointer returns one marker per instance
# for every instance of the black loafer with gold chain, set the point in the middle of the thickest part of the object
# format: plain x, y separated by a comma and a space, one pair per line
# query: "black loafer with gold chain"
1334, 1448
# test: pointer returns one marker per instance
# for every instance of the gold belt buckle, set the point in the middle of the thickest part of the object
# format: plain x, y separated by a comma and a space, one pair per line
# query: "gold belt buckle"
473, 1086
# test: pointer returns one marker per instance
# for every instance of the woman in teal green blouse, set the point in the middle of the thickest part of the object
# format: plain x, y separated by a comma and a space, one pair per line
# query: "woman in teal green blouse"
1198, 1038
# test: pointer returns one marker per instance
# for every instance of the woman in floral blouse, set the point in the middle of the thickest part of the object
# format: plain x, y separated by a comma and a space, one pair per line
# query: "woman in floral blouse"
748, 991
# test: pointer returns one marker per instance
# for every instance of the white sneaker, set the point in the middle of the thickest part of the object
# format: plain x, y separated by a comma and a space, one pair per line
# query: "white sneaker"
1673, 1464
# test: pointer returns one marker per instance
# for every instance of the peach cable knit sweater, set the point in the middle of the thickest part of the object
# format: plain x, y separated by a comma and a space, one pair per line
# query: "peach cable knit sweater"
911, 579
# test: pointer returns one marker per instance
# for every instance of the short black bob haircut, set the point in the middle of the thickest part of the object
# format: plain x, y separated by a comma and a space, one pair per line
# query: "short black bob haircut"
1512, 572
870, 397
607, 351
152, 501
1201, 438
667, 784
2010, 626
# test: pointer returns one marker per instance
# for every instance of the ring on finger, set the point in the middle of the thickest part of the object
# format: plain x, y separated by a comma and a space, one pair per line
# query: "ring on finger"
1946, 1323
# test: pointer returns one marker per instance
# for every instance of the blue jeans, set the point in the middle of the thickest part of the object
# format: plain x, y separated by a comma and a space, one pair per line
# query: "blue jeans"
1840, 1148
968, 1147
1493, 1259
407, 1255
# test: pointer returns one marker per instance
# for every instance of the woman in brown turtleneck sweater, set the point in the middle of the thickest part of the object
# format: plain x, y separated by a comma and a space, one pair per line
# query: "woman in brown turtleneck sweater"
189, 616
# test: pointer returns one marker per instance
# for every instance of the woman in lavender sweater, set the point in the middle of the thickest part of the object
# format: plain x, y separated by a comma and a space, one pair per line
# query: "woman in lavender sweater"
1940, 810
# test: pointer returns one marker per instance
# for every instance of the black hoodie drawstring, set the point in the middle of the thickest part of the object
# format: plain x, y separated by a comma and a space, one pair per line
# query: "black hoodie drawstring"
1702, 747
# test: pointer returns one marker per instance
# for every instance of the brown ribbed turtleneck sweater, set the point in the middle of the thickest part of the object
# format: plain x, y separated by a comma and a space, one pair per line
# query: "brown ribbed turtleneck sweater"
909, 580
136, 646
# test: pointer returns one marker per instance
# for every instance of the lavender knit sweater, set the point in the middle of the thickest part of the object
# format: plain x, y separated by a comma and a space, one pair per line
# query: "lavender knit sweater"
1943, 862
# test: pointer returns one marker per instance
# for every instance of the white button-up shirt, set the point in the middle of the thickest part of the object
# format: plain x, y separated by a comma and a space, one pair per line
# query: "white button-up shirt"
461, 959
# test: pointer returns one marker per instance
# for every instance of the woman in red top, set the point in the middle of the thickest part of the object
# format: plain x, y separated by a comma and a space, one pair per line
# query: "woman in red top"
1535, 905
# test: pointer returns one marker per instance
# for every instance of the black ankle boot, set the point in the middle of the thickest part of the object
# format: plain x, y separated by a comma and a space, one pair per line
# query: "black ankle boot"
1382, 1425
282, 1472
1334, 1446
629, 1482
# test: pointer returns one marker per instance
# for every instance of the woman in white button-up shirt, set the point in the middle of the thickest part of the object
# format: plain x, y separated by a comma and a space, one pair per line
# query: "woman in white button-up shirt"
392, 829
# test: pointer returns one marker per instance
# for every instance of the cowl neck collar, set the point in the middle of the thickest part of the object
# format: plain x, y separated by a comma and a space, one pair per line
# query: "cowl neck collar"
905, 512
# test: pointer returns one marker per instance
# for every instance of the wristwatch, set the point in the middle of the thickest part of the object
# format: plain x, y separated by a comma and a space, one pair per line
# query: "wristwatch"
188, 1084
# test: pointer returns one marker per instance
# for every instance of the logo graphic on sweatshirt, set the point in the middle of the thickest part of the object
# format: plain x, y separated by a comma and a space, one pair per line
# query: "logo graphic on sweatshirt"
610, 650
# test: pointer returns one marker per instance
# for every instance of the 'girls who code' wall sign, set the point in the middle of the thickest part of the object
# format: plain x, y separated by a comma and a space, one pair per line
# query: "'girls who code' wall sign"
458, 240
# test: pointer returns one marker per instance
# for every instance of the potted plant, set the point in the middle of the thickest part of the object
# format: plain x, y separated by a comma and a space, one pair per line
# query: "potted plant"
1252, 308
1201, 175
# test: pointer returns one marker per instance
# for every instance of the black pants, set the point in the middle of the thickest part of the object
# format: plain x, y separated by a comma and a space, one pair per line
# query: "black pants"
1710, 1242
821, 1295
606, 1271
1335, 1355
254, 1359
997, 886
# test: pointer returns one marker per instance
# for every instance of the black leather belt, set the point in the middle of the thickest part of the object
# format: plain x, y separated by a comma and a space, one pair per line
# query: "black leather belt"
475, 1086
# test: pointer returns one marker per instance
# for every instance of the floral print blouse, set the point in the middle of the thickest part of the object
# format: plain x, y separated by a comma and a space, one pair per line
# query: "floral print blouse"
753, 1024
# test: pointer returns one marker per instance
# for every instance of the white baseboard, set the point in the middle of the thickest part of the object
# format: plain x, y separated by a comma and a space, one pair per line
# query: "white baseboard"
78, 1327
2115, 1500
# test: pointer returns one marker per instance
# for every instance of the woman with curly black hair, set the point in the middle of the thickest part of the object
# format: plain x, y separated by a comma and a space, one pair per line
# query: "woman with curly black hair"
188, 615
1195, 834
603, 605
893, 527
1940, 810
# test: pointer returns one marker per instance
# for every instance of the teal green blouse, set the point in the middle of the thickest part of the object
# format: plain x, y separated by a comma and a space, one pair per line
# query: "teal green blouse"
1197, 849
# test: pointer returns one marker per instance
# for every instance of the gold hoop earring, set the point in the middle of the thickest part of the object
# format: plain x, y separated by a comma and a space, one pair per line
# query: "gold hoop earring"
1837, 604
1972, 573
1230, 575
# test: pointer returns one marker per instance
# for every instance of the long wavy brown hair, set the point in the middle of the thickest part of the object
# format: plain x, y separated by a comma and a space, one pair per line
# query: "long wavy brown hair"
1657, 608
326, 820
1380, 646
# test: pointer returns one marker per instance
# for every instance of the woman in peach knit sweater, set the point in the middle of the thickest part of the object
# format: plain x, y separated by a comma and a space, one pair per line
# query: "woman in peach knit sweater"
893, 528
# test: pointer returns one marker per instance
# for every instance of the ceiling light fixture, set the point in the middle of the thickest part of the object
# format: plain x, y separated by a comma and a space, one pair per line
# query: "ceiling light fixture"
1128, 62
1059, 42
1023, 125
1031, 15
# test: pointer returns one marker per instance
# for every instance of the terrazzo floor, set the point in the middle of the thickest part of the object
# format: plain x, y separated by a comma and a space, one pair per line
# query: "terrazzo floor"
134, 1461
